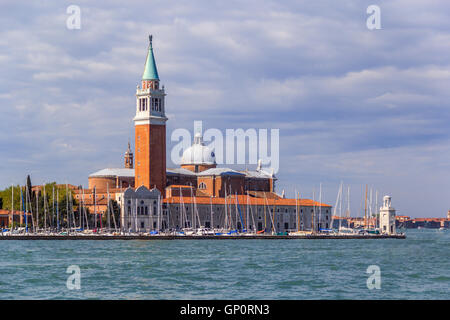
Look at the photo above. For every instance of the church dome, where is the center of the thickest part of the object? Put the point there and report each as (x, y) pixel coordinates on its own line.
(198, 153)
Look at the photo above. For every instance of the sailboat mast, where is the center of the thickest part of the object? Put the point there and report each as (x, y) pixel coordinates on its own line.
(246, 207)
(157, 216)
(212, 216)
(57, 211)
(253, 219)
(348, 202)
(265, 217)
(31, 209)
(236, 211)
(26, 210)
(340, 207)
(95, 208)
(226, 209)
(365, 210)
(45, 211)
(12, 208)
(53, 208)
(70, 213)
(114, 219)
(84, 210)
(313, 222)
(169, 207)
(135, 215)
(67, 209)
(296, 211)
(376, 209)
(320, 206)
(37, 210)
(109, 220)
(192, 209)
(196, 212)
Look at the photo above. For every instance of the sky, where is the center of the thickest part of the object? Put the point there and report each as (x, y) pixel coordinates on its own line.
(353, 105)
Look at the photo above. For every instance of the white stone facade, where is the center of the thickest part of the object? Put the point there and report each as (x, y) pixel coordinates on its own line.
(141, 210)
(387, 217)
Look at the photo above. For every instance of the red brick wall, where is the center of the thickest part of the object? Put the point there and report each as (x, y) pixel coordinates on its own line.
(181, 180)
(150, 164)
(236, 183)
(101, 183)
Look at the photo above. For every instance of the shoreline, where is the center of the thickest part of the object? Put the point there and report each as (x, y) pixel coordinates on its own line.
(206, 237)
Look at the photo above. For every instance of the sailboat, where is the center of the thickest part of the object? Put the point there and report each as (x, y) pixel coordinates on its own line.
(341, 229)
(250, 230)
(298, 232)
(261, 232)
(325, 230)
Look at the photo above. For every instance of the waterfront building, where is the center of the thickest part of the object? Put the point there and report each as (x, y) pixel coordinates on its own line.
(144, 210)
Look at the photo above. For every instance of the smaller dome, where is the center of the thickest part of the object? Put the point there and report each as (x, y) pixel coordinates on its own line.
(198, 153)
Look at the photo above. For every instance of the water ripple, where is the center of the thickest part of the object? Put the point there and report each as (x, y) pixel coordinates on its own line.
(415, 268)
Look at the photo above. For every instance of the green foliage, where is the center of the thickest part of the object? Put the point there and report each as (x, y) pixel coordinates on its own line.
(6, 196)
(47, 201)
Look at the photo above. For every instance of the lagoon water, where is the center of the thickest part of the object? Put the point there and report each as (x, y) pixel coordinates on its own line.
(415, 268)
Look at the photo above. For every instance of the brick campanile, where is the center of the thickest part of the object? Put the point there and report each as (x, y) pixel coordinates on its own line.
(150, 129)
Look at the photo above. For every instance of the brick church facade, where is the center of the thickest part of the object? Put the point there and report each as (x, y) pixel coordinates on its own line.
(198, 179)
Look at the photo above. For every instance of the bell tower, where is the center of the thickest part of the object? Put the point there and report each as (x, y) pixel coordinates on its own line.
(129, 158)
(150, 128)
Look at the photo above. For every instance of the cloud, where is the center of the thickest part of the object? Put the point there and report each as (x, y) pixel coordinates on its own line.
(364, 106)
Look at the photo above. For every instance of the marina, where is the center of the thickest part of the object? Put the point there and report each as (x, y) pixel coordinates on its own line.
(209, 237)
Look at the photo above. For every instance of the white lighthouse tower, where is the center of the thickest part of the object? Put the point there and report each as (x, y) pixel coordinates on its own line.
(387, 217)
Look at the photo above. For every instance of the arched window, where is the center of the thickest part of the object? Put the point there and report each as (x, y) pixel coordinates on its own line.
(202, 186)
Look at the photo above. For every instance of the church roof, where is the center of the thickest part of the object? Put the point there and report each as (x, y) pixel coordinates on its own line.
(113, 172)
(184, 171)
(220, 172)
(150, 71)
(257, 174)
(243, 200)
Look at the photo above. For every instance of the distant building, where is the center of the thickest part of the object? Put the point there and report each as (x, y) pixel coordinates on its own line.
(7, 217)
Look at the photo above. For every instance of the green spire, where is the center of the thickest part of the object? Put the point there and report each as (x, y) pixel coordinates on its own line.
(150, 72)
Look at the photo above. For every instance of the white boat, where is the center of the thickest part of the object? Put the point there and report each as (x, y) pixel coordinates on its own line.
(344, 230)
